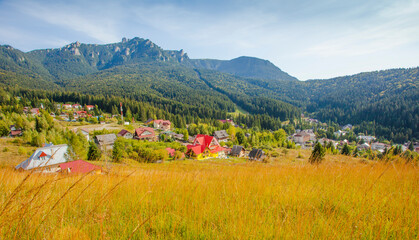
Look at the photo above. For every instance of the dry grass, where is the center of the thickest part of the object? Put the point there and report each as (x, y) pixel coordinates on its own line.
(219, 199)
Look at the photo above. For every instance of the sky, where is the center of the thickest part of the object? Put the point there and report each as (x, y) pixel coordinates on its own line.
(305, 38)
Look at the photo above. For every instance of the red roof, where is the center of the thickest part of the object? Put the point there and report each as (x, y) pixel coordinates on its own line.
(43, 154)
(90, 106)
(139, 132)
(123, 132)
(15, 132)
(79, 166)
(228, 120)
(203, 142)
(164, 122)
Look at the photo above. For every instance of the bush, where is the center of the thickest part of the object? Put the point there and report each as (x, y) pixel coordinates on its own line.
(22, 151)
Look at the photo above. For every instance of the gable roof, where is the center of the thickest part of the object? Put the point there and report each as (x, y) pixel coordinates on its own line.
(106, 139)
(164, 122)
(45, 156)
(236, 150)
(203, 142)
(123, 132)
(221, 134)
(79, 166)
(256, 153)
(142, 132)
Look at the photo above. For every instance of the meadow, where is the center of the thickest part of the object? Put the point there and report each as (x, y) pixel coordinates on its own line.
(342, 198)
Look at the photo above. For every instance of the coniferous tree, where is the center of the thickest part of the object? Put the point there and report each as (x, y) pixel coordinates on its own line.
(317, 155)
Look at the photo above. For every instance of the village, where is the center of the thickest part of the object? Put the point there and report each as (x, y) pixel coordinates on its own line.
(225, 141)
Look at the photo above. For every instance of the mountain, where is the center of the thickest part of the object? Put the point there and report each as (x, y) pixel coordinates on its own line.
(249, 67)
(384, 103)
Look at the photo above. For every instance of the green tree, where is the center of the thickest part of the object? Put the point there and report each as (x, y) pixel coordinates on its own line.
(240, 137)
(118, 150)
(317, 155)
(4, 129)
(94, 153)
(411, 146)
(345, 150)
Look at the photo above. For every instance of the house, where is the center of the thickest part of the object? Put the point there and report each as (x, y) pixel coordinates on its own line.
(379, 146)
(256, 154)
(34, 111)
(162, 124)
(46, 158)
(339, 133)
(67, 106)
(15, 132)
(205, 146)
(58, 106)
(125, 134)
(221, 136)
(227, 121)
(364, 146)
(85, 133)
(76, 106)
(301, 137)
(106, 141)
(52, 115)
(145, 133)
(347, 127)
(149, 121)
(80, 114)
(367, 139)
(311, 133)
(238, 151)
(79, 166)
(89, 107)
(172, 151)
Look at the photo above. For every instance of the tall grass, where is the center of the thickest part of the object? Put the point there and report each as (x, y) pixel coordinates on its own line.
(215, 200)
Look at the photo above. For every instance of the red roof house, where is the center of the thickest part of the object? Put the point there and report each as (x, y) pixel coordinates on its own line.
(79, 166)
(89, 107)
(205, 146)
(162, 124)
(145, 133)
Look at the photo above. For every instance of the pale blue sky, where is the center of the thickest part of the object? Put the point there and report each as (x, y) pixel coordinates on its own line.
(307, 39)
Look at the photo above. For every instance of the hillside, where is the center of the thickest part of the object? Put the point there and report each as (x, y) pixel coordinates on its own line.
(384, 103)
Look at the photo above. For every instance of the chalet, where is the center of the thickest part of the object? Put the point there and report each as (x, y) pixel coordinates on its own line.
(221, 136)
(145, 133)
(67, 106)
(238, 151)
(106, 141)
(89, 107)
(46, 158)
(76, 106)
(205, 146)
(79, 166)
(15, 132)
(125, 134)
(162, 124)
(256, 154)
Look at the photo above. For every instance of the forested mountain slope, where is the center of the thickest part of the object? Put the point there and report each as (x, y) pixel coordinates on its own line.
(384, 103)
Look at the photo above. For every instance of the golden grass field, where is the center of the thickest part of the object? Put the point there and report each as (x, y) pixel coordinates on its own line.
(342, 198)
